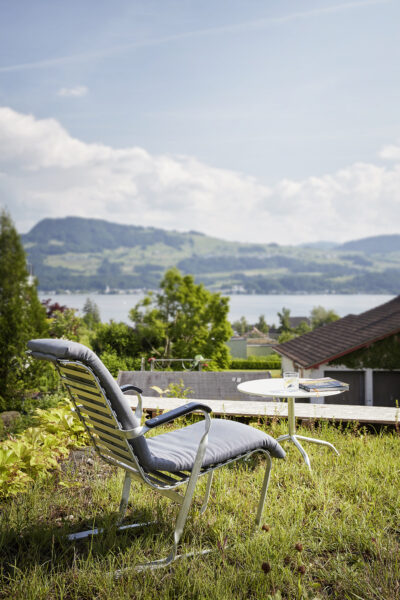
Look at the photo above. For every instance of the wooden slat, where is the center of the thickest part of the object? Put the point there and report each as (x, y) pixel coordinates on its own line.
(262, 408)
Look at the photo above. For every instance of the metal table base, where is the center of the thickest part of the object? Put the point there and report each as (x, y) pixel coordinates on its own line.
(292, 437)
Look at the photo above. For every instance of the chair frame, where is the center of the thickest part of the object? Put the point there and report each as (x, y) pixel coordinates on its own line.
(111, 443)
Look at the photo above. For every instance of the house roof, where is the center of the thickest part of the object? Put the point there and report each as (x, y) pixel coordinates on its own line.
(343, 336)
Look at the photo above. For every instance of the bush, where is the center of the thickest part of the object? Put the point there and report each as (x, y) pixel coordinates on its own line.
(36, 452)
(273, 361)
(115, 363)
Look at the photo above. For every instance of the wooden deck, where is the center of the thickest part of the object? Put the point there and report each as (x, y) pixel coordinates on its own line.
(261, 408)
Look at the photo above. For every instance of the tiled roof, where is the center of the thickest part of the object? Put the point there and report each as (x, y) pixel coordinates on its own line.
(343, 336)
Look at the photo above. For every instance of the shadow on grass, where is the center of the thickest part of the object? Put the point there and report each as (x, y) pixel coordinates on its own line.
(39, 543)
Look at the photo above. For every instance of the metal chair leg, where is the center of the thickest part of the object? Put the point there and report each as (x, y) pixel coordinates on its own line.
(207, 492)
(264, 489)
(124, 498)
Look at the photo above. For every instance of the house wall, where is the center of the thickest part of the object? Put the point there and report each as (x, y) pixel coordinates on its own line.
(378, 383)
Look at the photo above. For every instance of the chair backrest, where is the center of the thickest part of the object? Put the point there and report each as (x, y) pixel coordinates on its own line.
(99, 400)
(204, 385)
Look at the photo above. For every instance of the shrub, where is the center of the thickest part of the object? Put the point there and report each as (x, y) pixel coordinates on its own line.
(31, 455)
(273, 361)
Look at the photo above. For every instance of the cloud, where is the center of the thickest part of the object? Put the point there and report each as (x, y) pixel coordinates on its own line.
(75, 92)
(45, 172)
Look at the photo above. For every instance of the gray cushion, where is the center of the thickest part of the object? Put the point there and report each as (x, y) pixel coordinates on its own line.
(176, 450)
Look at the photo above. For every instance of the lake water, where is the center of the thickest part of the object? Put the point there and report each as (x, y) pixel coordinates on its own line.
(251, 306)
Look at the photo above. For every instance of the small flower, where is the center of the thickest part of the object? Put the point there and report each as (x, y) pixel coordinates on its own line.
(287, 560)
(265, 527)
(301, 569)
(299, 547)
(266, 567)
(151, 359)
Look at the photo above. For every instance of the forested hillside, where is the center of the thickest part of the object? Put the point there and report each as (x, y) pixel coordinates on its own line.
(90, 254)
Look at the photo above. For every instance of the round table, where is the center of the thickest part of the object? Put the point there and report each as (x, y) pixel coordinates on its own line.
(274, 388)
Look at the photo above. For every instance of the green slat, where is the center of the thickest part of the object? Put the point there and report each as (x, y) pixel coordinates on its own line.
(108, 432)
(75, 372)
(115, 454)
(94, 396)
(78, 385)
(95, 407)
(114, 447)
(107, 419)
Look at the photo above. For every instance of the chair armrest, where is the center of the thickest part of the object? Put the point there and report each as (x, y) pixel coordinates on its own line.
(128, 387)
(175, 413)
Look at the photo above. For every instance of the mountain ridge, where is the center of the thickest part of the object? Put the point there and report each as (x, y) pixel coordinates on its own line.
(78, 253)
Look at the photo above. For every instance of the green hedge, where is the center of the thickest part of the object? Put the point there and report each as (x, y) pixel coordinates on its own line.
(273, 361)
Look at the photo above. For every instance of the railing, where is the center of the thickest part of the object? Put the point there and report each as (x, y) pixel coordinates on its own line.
(188, 364)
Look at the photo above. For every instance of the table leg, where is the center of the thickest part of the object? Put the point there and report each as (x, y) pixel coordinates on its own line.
(292, 437)
(291, 416)
(321, 442)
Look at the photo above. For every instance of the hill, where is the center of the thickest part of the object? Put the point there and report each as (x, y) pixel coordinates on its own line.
(379, 244)
(91, 254)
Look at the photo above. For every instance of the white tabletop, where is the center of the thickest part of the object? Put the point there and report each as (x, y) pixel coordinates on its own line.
(274, 387)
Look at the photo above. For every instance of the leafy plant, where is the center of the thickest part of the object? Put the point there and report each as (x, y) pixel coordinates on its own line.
(174, 390)
(38, 450)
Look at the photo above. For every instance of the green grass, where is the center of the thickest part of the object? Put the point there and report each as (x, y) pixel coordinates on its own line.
(346, 516)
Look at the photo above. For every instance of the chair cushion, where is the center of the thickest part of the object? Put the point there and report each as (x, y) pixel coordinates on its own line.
(176, 450)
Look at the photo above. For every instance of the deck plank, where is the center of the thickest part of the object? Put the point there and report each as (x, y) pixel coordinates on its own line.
(260, 408)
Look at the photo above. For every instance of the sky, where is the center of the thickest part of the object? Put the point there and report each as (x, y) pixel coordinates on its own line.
(248, 120)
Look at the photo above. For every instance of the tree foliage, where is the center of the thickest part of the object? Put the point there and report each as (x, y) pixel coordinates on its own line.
(21, 316)
(91, 314)
(321, 316)
(182, 320)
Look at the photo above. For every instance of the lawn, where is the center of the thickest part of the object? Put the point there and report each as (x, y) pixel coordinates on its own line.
(332, 534)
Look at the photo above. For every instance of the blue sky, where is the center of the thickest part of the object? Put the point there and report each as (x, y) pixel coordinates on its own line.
(249, 120)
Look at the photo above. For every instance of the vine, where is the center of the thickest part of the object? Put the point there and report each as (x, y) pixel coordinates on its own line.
(384, 354)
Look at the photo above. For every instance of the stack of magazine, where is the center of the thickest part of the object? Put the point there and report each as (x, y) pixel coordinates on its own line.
(325, 384)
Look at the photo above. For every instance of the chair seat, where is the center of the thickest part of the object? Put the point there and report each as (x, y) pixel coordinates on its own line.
(176, 450)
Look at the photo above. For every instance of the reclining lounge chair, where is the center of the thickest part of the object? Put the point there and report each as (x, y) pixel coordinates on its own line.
(163, 462)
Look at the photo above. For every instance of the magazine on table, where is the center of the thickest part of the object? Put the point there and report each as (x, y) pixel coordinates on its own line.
(324, 384)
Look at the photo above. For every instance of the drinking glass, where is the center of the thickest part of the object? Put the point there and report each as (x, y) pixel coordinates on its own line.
(291, 381)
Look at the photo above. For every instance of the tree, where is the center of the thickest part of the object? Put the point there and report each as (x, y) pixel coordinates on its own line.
(241, 326)
(284, 320)
(21, 316)
(320, 316)
(262, 325)
(91, 314)
(182, 320)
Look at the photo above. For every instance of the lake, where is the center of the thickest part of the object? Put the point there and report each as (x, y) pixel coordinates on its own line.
(251, 306)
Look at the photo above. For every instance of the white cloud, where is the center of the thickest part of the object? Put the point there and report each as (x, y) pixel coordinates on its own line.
(45, 172)
(74, 92)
